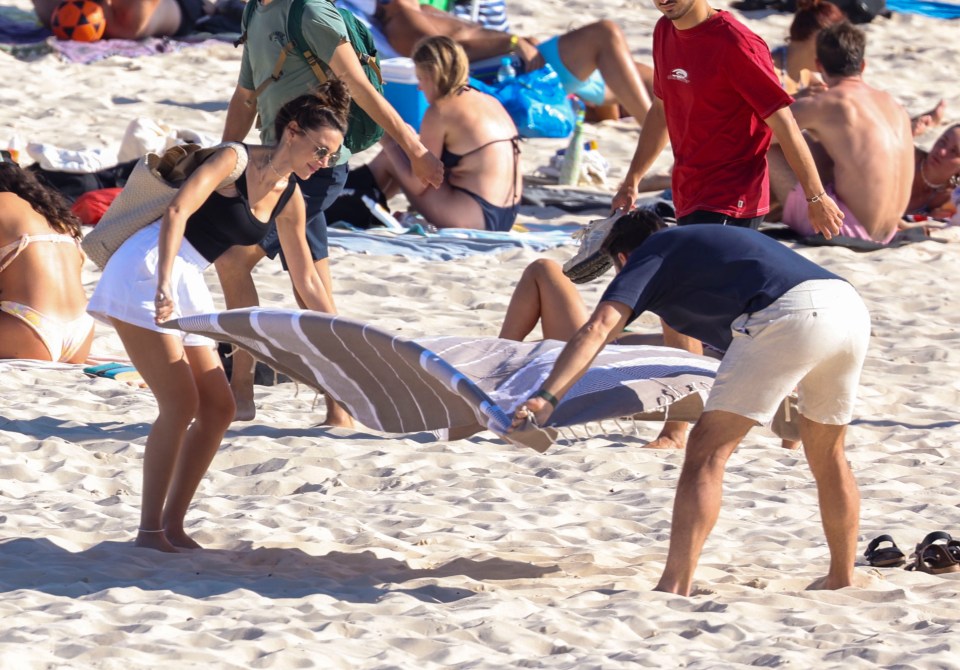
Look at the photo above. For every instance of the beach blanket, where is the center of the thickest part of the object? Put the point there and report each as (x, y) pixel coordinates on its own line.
(902, 238)
(940, 10)
(450, 243)
(572, 199)
(22, 36)
(399, 385)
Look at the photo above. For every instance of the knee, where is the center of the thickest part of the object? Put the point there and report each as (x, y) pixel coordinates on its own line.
(543, 269)
(180, 408)
(237, 262)
(704, 454)
(218, 408)
(609, 31)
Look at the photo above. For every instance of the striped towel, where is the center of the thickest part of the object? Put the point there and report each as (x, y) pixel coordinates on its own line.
(398, 385)
(492, 14)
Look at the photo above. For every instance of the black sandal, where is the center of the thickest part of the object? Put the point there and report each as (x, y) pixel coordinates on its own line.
(884, 557)
(934, 557)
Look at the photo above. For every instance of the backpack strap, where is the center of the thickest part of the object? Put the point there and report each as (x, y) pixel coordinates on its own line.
(297, 41)
(295, 34)
(248, 9)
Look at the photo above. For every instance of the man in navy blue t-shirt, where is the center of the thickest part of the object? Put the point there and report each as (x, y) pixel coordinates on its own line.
(782, 321)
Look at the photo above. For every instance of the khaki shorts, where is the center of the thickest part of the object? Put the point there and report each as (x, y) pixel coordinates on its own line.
(813, 338)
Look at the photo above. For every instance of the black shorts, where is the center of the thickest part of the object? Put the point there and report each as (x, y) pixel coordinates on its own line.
(191, 11)
(703, 216)
(319, 192)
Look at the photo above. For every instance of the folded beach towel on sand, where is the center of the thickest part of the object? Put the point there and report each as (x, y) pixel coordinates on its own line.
(459, 384)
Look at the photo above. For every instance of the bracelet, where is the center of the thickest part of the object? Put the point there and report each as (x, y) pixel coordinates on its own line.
(514, 41)
(817, 198)
(546, 395)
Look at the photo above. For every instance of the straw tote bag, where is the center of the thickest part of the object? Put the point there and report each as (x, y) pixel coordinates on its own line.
(152, 185)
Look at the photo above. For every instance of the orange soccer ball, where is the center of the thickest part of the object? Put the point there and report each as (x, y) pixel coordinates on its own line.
(80, 20)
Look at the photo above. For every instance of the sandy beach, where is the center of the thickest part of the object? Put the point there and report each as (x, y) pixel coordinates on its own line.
(333, 548)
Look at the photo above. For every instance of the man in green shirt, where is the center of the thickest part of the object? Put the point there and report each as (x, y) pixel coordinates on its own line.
(325, 33)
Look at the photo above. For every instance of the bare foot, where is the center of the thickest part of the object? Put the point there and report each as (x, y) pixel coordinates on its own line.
(924, 122)
(154, 540)
(179, 538)
(673, 436)
(829, 583)
(246, 409)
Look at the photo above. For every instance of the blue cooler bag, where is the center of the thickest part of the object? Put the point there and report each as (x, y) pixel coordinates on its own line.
(535, 101)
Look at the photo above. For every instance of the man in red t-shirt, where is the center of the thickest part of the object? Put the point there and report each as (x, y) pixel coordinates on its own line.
(717, 97)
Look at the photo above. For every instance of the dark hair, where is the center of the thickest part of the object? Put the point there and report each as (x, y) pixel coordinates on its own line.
(45, 201)
(631, 230)
(813, 16)
(840, 49)
(326, 107)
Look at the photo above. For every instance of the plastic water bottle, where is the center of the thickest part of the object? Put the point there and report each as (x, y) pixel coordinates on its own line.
(506, 71)
(570, 170)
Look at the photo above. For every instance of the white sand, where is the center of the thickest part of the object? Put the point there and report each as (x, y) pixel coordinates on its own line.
(339, 549)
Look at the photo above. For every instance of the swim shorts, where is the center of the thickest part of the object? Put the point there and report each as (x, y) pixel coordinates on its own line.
(813, 338)
(592, 89)
(795, 215)
(319, 192)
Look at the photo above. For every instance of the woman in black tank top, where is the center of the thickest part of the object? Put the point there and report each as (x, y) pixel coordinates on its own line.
(202, 222)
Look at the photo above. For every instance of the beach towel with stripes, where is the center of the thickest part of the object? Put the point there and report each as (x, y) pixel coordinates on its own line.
(399, 385)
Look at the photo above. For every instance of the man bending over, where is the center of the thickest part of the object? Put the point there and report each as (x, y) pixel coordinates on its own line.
(783, 322)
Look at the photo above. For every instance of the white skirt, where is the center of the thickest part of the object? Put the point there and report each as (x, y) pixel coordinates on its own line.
(128, 287)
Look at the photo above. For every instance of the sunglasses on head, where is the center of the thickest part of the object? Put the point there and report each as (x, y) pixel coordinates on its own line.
(7, 157)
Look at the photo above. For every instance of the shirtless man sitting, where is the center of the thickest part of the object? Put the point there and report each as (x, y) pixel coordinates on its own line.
(136, 19)
(861, 140)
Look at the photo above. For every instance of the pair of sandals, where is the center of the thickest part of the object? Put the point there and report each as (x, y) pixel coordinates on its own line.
(936, 554)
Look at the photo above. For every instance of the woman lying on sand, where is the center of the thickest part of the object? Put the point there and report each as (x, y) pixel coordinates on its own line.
(42, 300)
(937, 174)
(158, 274)
(473, 135)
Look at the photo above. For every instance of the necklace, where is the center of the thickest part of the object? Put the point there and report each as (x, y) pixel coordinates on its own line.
(930, 185)
(285, 177)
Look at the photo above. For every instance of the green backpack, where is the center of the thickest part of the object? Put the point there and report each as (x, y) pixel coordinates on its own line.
(362, 131)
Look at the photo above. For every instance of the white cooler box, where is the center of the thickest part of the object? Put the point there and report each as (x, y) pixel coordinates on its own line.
(400, 89)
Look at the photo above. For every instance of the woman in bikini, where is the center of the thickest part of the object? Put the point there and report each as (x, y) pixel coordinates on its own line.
(42, 300)
(473, 135)
(157, 275)
(936, 176)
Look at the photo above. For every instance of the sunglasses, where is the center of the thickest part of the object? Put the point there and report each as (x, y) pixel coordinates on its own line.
(322, 153)
(7, 157)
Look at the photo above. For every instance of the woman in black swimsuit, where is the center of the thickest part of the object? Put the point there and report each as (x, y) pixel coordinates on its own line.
(476, 139)
(157, 274)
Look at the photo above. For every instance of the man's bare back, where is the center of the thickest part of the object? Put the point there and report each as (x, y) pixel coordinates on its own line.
(867, 135)
(859, 136)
